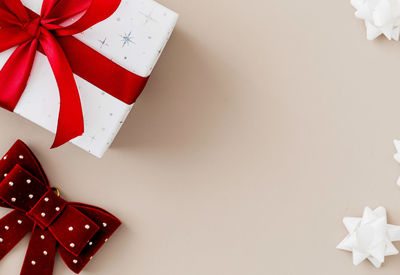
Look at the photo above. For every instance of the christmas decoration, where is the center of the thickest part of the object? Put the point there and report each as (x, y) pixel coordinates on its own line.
(380, 17)
(396, 156)
(370, 237)
(75, 230)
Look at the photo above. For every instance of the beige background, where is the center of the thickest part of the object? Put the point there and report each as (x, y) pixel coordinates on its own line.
(264, 124)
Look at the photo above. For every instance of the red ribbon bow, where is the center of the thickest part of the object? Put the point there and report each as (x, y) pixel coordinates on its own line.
(76, 230)
(47, 33)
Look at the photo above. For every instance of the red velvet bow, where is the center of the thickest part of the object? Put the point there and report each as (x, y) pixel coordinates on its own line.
(47, 33)
(76, 230)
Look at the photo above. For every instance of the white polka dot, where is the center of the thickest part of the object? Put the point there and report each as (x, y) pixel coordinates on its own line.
(5, 174)
(104, 224)
(1, 240)
(42, 237)
(70, 228)
(30, 196)
(45, 252)
(72, 245)
(46, 199)
(6, 227)
(75, 261)
(13, 199)
(43, 214)
(19, 222)
(91, 257)
(33, 262)
(28, 181)
(11, 183)
(21, 156)
(5, 157)
(90, 243)
(57, 208)
(87, 226)
(105, 240)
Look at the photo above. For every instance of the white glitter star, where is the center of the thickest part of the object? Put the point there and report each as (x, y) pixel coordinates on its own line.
(370, 237)
(127, 38)
(380, 16)
(397, 155)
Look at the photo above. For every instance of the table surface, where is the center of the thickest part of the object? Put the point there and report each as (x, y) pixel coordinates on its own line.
(264, 124)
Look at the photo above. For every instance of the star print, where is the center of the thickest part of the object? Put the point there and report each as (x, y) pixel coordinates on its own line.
(370, 237)
(148, 17)
(127, 38)
(103, 42)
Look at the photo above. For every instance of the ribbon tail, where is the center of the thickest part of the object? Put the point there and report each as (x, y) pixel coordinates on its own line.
(13, 227)
(39, 258)
(15, 74)
(70, 119)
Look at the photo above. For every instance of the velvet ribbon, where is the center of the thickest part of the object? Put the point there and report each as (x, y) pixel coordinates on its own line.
(75, 230)
(49, 34)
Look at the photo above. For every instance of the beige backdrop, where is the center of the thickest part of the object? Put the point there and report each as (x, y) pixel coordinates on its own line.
(264, 124)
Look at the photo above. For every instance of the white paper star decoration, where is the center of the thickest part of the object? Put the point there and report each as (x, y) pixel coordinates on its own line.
(397, 155)
(370, 237)
(380, 16)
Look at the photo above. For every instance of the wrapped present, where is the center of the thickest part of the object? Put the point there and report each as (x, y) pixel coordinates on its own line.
(110, 46)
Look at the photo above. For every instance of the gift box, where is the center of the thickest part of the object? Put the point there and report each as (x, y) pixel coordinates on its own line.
(133, 37)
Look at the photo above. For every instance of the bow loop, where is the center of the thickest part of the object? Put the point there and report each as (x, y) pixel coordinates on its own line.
(64, 13)
(7, 19)
(107, 223)
(79, 229)
(97, 11)
(74, 230)
(15, 7)
(20, 154)
(21, 190)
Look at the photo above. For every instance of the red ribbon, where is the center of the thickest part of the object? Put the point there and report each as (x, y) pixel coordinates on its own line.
(30, 32)
(76, 230)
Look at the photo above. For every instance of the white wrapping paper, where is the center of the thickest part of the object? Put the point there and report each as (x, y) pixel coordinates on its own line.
(133, 37)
